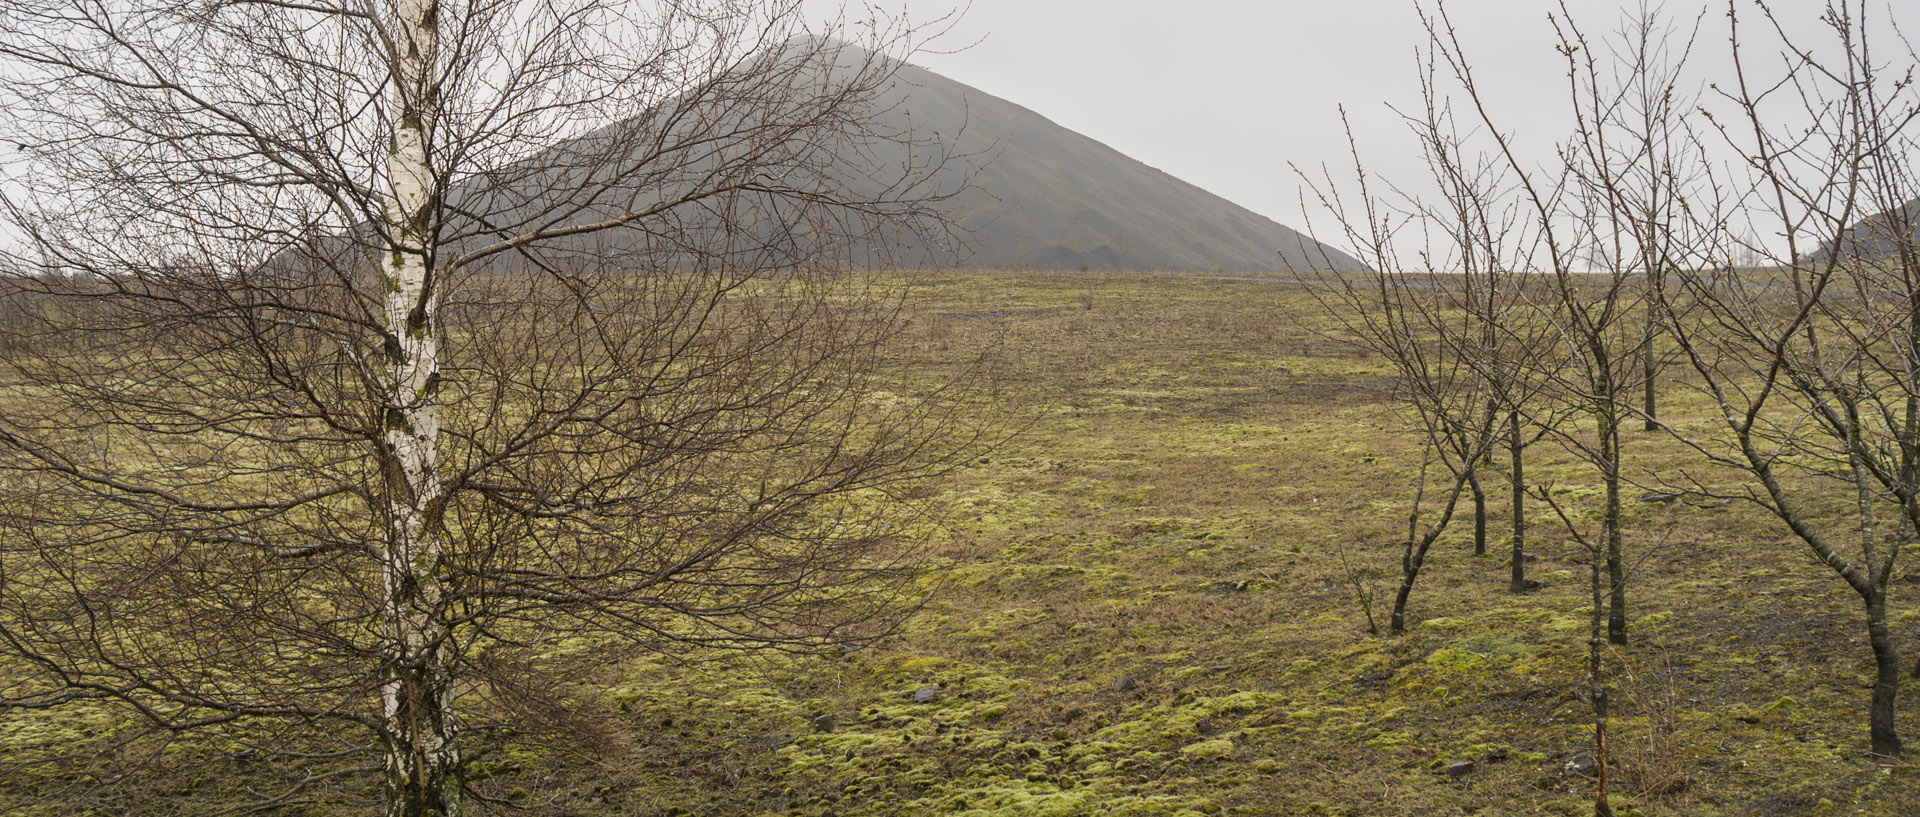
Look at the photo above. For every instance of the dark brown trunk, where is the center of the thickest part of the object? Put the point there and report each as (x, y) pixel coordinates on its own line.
(1616, 561)
(1651, 368)
(1411, 561)
(1479, 513)
(1884, 736)
(1597, 691)
(1514, 447)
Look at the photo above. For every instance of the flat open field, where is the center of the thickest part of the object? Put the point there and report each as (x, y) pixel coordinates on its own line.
(1145, 603)
(1142, 609)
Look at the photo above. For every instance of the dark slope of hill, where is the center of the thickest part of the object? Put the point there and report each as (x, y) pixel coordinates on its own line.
(1031, 194)
(1051, 198)
(1881, 234)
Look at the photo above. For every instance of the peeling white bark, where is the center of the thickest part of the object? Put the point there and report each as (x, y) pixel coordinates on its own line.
(418, 693)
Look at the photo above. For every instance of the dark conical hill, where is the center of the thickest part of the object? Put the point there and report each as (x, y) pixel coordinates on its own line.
(1053, 199)
(1031, 194)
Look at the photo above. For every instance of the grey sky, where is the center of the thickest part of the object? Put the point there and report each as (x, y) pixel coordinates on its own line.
(1225, 93)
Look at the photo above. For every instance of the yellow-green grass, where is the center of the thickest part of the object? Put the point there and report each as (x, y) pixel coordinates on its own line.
(1138, 607)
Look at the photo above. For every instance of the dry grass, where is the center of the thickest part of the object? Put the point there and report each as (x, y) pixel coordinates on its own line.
(1141, 610)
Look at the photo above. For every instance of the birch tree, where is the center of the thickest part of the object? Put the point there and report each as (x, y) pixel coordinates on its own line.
(368, 354)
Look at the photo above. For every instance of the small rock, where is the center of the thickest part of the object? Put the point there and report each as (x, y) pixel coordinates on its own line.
(1125, 683)
(1254, 548)
(1528, 556)
(824, 723)
(1204, 726)
(926, 695)
(1582, 765)
(1530, 585)
(1661, 497)
(1455, 771)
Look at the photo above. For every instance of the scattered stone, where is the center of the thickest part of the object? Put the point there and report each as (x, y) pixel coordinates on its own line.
(1530, 585)
(824, 723)
(1125, 683)
(1218, 668)
(1528, 556)
(1661, 497)
(926, 695)
(1254, 548)
(1581, 765)
(1455, 771)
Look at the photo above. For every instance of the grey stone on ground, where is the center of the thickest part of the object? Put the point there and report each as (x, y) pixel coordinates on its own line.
(1125, 683)
(1581, 765)
(926, 695)
(1458, 770)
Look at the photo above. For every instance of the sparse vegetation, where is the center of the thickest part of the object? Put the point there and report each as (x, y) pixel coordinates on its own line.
(712, 525)
(1138, 610)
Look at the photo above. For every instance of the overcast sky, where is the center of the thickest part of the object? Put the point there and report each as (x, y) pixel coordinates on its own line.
(1225, 93)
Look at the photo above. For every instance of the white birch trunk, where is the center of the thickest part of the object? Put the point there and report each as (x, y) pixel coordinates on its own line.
(417, 695)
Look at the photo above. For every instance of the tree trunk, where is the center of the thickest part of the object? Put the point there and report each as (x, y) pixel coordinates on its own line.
(1479, 513)
(1597, 692)
(1410, 563)
(418, 692)
(1650, 367)
(1518, 583)
(1886, 683)
(1616, 561)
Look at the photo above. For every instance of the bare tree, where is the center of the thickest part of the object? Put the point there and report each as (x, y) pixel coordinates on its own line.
(1638, 156)
(1484, 240)
(369, 357)
(1435, 322)
(1814, 364)
(1595, 272)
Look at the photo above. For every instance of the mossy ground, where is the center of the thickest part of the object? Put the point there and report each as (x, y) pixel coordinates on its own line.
(1139, 607)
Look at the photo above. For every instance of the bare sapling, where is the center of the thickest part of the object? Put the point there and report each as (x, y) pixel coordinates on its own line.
(1811, 360)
